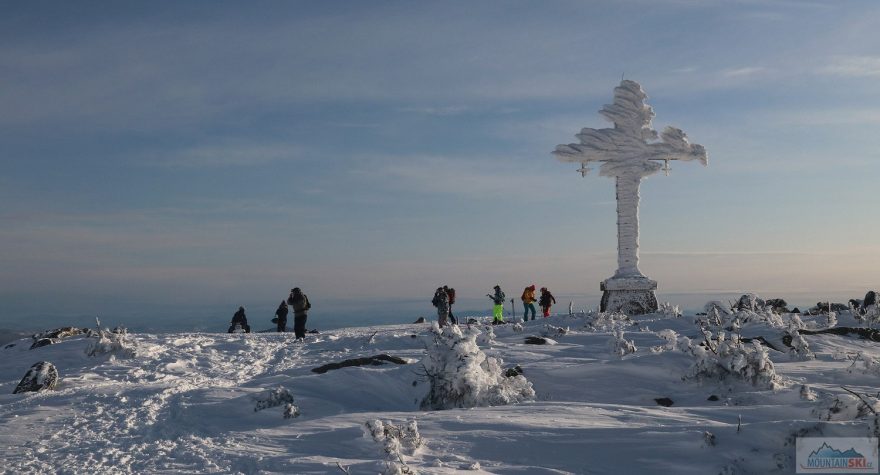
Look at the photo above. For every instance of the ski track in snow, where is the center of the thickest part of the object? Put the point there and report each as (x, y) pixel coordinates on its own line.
(185, 404)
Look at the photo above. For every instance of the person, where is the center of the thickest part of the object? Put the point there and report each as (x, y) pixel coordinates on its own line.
(498, 309)
(441, 301)
(301, 306)
(281, 317)
(546, 301)
(450, 292)
(528, 299)
(240, 320)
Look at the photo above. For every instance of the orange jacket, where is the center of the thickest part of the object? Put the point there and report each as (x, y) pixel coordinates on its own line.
(528, 295)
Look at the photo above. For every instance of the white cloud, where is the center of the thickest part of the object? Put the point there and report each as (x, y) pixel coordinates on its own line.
(744, 72)
(853, 66)
(225, 155)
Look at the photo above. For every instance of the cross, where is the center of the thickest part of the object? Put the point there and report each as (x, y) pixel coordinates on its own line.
(629, 152)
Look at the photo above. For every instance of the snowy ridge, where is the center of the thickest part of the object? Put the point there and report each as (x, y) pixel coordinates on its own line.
(186, 403)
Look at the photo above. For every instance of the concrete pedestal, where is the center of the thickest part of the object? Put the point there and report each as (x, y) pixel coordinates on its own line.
(629, 295)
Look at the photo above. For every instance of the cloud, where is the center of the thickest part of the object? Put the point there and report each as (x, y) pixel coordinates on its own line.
(228, 155)
(438, 110)
(745, 72)
(853, 66)
(467, 176)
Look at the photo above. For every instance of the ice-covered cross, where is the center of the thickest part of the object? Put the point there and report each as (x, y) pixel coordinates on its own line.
(629, 152)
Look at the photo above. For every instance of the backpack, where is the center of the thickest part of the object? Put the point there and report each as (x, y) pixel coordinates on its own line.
(451, 294)
(526, 291)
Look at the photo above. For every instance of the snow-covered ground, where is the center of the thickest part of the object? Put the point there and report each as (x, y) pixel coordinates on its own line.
(185, 403)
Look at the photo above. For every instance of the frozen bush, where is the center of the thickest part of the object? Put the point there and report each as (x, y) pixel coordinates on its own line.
(800, 349)
(277, 397)
(807, 393)
(552, 331)
(620, 346)
(864, 364)
(670, 341)
(396, 441)
(722, 359)
(607, 321)
(669, 310)
(461, 375)
(831, 319)
(486, 338)
(114, 343)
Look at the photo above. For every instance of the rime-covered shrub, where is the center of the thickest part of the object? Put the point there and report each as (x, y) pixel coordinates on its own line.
(486, 338)
(670, 341)
(607, 321)
(114, 343)
(864, 364)
(279, 396)
(807, 393)
(800, 349)
(552, 331)
(396, 441)
(830, 319)
(668, 310)
(461, 375)
(619, 345)
(725, 359)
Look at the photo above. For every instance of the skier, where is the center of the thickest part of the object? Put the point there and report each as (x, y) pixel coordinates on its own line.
(545, 301)
(528, 299)
(301, 305)
(281, 316)
(450, 292)
(498, 309)
(441, 301)
(239, 320)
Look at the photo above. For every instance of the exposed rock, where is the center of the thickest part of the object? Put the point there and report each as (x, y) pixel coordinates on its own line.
(59, 333)
(44, 342)
(421, 320)
(750, 302)
(863, 333)
(766, 343)
(40, 377)
(870, 299)
(370, 361)
(513, 372)
(777, 305)
(712, 398)
(796, 310)
(537, 340)
(664, 401)
(9, 346)
(472, 321)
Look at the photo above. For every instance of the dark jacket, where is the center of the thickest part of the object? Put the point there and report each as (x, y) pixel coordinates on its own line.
(441, 301)
(299, 302)
(498, 298)
(281, 313)
(546, 299)
(239, 317)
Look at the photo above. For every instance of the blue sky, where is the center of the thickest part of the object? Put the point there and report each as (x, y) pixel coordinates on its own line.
(223, 152)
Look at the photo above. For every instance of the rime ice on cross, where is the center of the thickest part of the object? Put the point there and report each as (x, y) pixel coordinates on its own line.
(629, 152)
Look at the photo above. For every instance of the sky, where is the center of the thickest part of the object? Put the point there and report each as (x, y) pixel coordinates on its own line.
(185, 154)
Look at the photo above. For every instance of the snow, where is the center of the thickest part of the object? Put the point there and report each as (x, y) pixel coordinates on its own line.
(185, 402)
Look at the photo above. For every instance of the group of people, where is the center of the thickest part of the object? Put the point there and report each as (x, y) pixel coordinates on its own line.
(444, 297)
(297, 300)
